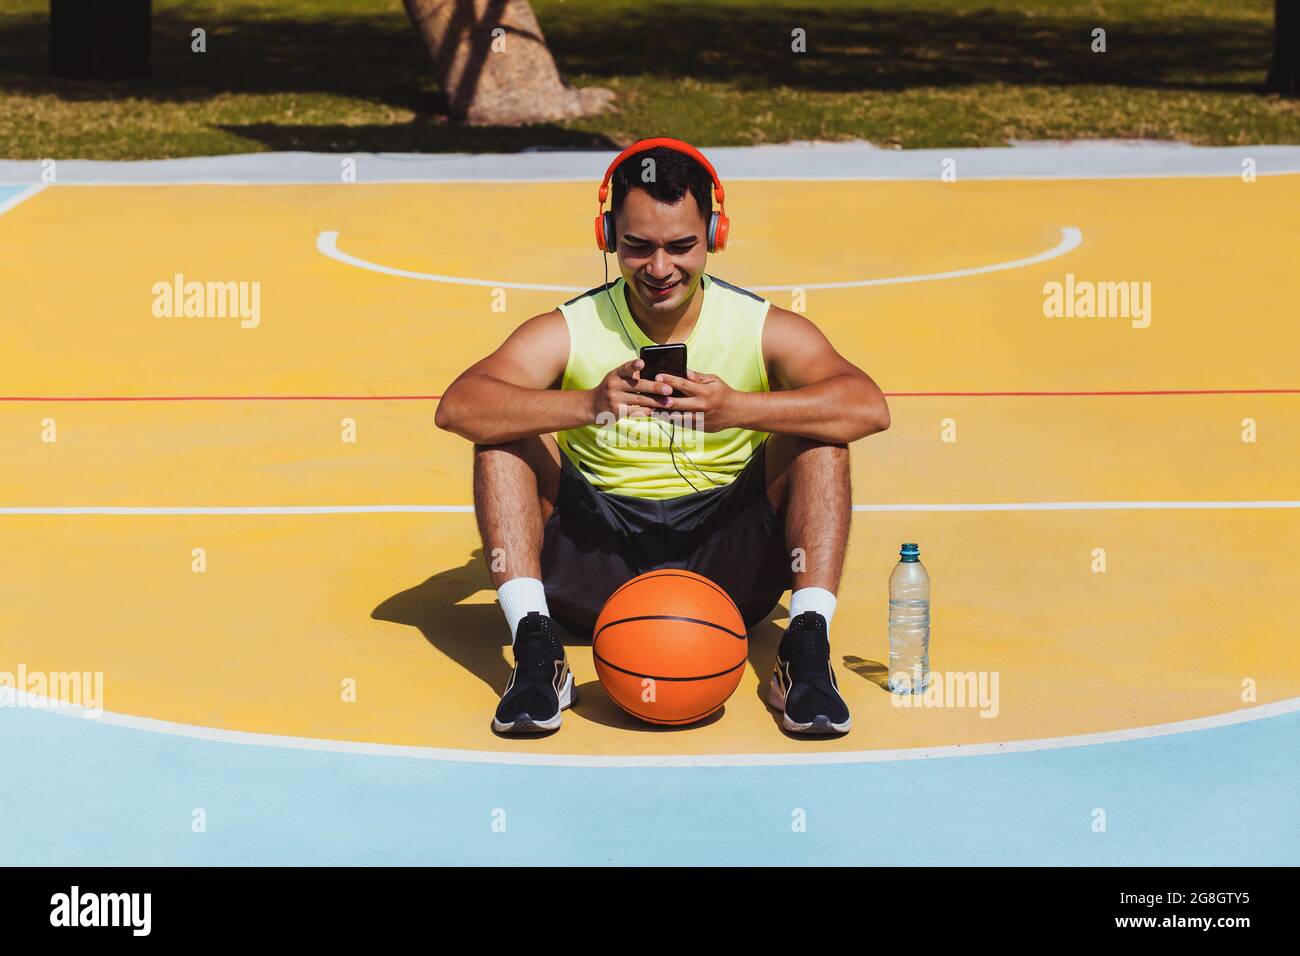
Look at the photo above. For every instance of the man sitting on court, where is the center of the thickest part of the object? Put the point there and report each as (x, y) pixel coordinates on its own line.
(587, 474)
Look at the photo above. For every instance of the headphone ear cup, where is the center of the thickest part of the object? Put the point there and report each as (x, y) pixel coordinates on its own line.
(719, 226)
(607, 233)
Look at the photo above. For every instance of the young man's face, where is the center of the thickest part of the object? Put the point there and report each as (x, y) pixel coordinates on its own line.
(661, 249)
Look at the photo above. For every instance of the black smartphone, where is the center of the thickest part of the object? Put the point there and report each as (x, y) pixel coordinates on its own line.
(664, 358)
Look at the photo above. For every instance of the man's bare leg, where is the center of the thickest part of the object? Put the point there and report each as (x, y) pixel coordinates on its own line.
(808, 485)
(515, 486)
(515, 489)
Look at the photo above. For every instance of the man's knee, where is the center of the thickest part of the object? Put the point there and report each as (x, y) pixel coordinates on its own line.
(786, 452)
(792, 458)
(539, 454)
(825, 449)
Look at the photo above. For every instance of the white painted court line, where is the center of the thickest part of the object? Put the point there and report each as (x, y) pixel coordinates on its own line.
(218, 735)
(21, 197)
(326, 243)
(468, 509)
(1071, 239)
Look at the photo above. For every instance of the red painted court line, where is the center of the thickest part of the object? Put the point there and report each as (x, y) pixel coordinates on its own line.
(218, 398)
(427, 398)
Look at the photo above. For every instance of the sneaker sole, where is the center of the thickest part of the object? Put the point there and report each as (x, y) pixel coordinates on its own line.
(526, 725)
(821, 724)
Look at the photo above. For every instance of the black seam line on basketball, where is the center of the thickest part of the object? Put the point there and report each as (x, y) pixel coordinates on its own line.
(667, 617)
(623, 670)
(679, 720)
(665, 573)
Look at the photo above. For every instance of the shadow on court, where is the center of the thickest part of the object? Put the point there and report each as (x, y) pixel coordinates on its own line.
(472, 635)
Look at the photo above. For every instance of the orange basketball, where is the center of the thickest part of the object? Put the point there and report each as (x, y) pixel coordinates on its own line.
(670, 646)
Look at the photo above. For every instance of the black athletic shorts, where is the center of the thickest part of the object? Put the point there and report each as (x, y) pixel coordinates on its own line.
(594, 542)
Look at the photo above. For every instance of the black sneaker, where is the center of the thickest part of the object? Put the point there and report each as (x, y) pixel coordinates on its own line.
(541, 685)
(803, 687)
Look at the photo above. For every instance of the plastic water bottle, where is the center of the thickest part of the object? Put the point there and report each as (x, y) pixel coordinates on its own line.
(909, 623)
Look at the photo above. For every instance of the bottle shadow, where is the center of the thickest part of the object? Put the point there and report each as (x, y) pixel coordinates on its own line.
(873, 671)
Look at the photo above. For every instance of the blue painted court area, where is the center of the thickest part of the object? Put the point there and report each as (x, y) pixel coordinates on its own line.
(78, 792)
(9, 192)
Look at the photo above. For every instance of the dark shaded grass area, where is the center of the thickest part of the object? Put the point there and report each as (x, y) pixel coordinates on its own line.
(338, 77)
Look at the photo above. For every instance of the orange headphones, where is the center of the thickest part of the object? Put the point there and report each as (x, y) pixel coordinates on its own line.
(719, 224)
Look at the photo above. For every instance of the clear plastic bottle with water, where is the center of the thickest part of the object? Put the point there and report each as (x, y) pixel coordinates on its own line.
(909, 623)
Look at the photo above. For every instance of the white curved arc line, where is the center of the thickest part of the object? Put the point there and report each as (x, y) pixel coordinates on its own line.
(327, 243)
(21, 197)
(1071, 238)
(219, 735)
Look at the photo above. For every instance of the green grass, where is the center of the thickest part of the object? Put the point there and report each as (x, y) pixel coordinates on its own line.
(349, 75)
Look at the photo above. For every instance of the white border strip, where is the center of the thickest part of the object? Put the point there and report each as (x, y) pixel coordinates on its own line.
(1028, 176)
(851, 161)
(218, 735)
(1071, 239)
(21, 197)
(468, 509)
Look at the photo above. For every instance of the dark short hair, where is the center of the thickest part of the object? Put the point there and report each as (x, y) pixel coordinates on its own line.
(676, 174)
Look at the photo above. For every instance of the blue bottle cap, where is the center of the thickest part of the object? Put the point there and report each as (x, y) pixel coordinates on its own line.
(910, 552)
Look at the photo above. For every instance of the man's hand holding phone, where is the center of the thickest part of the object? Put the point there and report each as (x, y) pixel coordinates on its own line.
(623, 393)
(713, 403)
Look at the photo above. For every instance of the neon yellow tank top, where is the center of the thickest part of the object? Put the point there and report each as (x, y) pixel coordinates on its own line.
(632, 456)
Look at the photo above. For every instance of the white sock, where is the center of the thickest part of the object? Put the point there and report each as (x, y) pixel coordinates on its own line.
(518, 596)
(813, 599)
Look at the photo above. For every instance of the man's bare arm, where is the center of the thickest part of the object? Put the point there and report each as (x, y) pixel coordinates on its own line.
(817, 393)
(515, 392)
(512, 393)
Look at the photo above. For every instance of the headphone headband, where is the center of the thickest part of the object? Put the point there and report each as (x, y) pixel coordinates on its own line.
(641, 146)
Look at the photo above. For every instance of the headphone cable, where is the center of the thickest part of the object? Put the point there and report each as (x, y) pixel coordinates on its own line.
(672, 453)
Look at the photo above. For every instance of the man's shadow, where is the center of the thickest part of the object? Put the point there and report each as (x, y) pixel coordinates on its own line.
(472, 635)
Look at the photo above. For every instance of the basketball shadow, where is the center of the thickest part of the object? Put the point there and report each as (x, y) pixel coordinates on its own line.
(595, 705)
(472, 635)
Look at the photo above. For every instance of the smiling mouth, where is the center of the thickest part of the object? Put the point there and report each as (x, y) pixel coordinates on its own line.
(659, 288)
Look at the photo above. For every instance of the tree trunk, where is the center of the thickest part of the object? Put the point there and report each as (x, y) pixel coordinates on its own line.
(493, 63)
(1284, 77)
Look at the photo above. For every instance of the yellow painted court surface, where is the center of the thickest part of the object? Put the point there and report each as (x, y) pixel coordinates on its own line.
(1192, 603)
